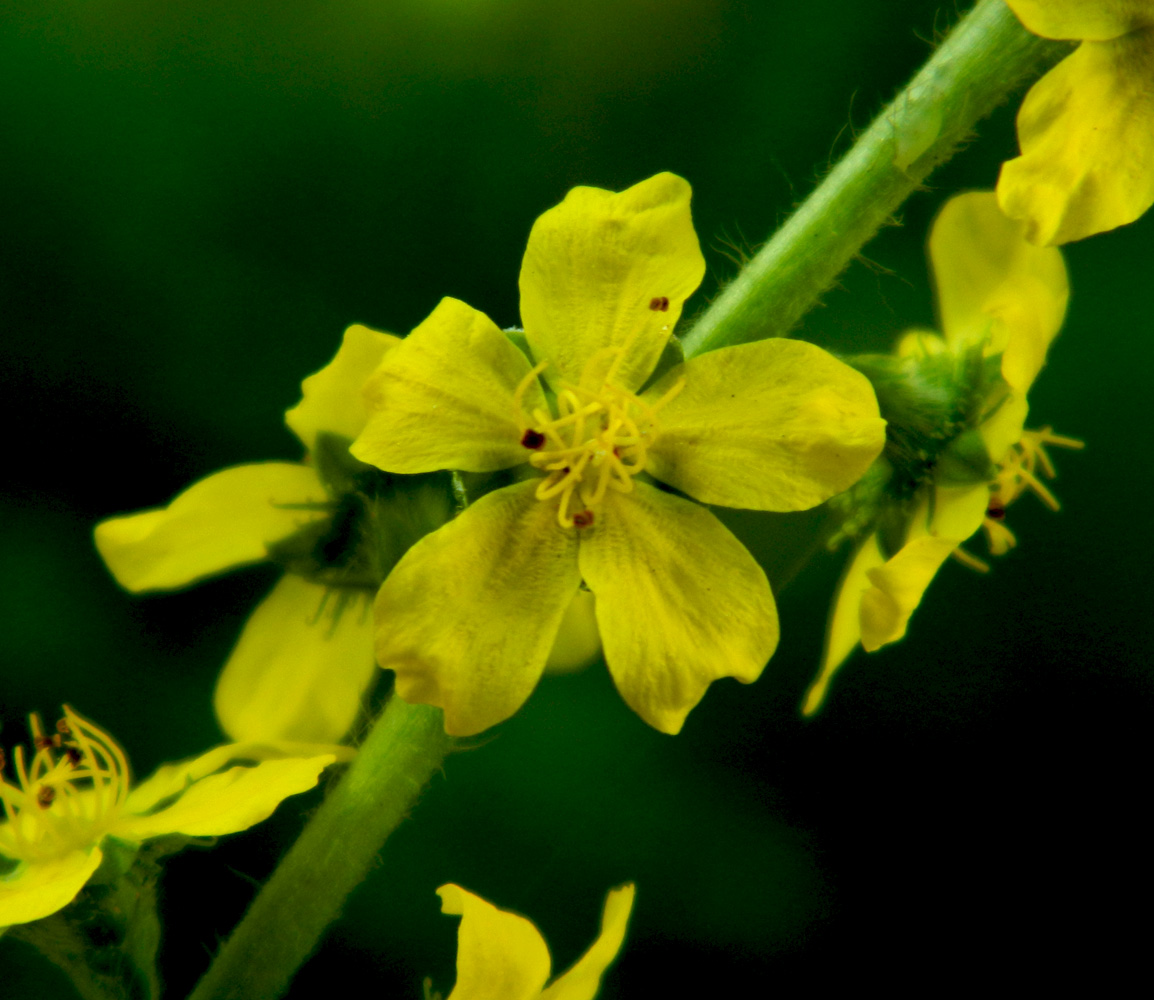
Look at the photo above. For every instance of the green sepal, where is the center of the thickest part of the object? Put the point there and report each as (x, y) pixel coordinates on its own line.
(965, 462)
(375, 517)
(106, 940)
(517, 336)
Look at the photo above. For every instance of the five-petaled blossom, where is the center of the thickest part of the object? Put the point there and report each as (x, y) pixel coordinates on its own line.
(75, 791)
(1086, 129)
(502, 956)
(467, 617)
(1002, 299)
(304, 659)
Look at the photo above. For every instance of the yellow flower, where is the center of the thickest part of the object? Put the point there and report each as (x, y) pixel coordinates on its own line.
(501, 956)
(75, 791)
(1086, 129)
(1001, 299)
(467, 617)
(304, 659)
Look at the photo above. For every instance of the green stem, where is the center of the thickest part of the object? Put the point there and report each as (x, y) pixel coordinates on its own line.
(986, 57)
(332, 856)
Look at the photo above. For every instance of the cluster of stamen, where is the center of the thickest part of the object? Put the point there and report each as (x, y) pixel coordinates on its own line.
(598, 441)
(1019, 472)
(66, 795)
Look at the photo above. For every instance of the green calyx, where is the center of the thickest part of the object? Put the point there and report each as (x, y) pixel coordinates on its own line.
(934, 405)
(375, 517)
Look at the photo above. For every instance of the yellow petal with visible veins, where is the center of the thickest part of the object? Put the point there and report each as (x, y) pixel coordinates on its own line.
(583, 980)
(36, 889)
(773, 425)
(301, 667)
(680, 602)
(505, 571)
(994, 287)
(604, 271)
(228, 802)
(444, 398)
(844, 631)
(1086, 131)
(897, 589)
(500, 955)
(224, 520)
(333, 400)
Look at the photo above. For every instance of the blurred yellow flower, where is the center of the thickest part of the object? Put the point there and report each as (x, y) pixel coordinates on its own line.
(1000, 298)
(1086, 129)
(467, 618)
(304, 659)
(502, 956)
(75, 791)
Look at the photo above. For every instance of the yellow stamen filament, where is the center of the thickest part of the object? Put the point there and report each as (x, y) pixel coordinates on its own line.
(970, 561)
(67, 795)
(598, 441)
(1018, 473)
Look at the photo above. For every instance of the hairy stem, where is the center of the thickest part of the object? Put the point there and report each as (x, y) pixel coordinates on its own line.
(986, 57)
(331, 857)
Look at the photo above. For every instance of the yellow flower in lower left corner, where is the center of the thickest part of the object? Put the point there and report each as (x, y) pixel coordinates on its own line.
(75, 791)
(502, 956)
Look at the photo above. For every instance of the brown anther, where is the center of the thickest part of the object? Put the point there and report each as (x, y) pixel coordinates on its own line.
(660, 304)
(996, 512)
(46, 796)
(74, 756)
(3, 760)
(44, 742)
(532, 439)
(583, 519)
(63, 728)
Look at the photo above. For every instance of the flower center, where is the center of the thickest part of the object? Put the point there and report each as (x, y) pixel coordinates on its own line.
(598, 440)
(67, 795)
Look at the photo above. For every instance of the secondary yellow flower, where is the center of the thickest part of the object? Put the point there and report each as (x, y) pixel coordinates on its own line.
(75, 791)
(502, 956)
(304, 659)
(1086, 129)
(1000, 299)
(468, 615)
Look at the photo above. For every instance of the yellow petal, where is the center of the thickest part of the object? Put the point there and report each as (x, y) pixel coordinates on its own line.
(171, 779)
(919, 343)
(1004, 429)
(500, 955)
(605, 270)
(578, 641)
(584, 980)
(35, 889)
(1086, 131)
(301, 667)
(444, 398)
(844, 631)
(333, 400)
(958, 512)
(996, 288)
(1096, 19)
(897, 589)
(468, 616)
(772, 425)
(680, 602)
(228, 802)
(225, 520)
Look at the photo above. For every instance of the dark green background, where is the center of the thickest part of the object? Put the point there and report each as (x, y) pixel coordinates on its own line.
(196, 198)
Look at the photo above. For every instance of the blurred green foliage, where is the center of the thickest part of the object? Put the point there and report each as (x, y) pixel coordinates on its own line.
(197, 197)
